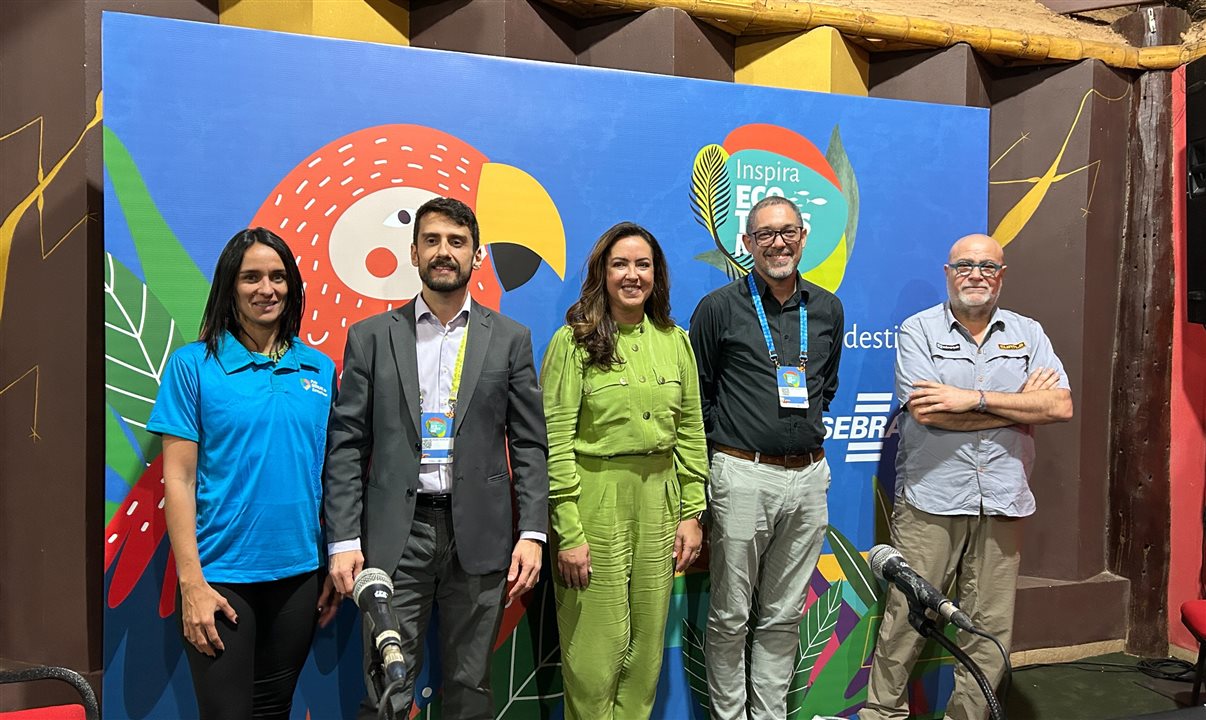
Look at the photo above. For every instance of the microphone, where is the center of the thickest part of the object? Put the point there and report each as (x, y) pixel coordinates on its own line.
(888, 564)
(372, 592)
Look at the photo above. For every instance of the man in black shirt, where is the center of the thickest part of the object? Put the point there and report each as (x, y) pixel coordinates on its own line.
(768, 347)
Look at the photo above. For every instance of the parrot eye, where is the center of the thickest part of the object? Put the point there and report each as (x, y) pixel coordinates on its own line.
(398, 219)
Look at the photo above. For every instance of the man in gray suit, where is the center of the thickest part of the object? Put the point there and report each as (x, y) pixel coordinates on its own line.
(436, 397)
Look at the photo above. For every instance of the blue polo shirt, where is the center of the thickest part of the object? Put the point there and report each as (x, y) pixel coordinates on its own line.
(260, 428)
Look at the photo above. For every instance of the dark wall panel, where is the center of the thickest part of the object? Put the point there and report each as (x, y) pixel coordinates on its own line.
(506, 28)
(665, 40)
(951, 76)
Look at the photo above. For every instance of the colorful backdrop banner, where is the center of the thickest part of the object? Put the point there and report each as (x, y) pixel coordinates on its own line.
(333, 144)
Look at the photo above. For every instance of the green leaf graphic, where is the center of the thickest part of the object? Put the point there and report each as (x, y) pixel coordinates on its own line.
(854, 567)
(710, 189)
(716, 259)
(526, 671)
(827, 696)
(883, 511)
(815, 631)
(171, 273)
(694, 665)
(835, 154)
(139, 337)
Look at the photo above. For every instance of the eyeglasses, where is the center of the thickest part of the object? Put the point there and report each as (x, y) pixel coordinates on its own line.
(988, 268)
(791, 236)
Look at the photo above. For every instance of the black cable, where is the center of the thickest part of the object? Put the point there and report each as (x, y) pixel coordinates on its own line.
(1172, 669)
(385, 705)
(1007, 675)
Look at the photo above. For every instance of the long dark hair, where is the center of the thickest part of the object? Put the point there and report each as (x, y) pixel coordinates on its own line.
(590, 316)
(220, 309)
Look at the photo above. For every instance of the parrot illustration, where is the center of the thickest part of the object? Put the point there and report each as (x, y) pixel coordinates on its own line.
(347, 212)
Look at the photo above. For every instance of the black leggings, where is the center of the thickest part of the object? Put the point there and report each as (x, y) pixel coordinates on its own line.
(255, 675)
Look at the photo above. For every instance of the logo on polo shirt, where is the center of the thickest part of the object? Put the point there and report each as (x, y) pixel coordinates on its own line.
(944, 346)
(313, 386)
(1011, 346)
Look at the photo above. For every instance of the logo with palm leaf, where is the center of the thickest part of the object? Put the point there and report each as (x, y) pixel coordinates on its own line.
(760, 160)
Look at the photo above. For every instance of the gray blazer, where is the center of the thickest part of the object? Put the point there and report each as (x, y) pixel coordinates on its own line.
(371, 475)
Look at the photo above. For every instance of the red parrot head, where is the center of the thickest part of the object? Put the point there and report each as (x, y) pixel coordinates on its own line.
(347, 211)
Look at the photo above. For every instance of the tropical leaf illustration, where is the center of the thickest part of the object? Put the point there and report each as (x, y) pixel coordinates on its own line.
(139, 337)
(710, 189)
(693, 663)
(883, 510)
(854, 567)
(133, 535)
(836, 156)
(819, 622)
(526, 672)
(828, 694)
(170, 272)
(710, 195)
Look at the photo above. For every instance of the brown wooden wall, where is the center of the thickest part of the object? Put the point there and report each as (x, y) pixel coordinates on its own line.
(1064, 270)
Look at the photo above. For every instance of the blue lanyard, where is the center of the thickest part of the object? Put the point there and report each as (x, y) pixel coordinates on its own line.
(766, 334)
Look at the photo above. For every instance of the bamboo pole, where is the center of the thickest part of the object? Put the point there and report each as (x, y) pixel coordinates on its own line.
(742, 16)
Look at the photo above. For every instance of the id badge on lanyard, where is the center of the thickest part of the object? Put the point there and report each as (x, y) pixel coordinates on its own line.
(792, 382)
(437, 430)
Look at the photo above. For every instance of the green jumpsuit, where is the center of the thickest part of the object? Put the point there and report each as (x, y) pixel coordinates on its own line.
(627, 461)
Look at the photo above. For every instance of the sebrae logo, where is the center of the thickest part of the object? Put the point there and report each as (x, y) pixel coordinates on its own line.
(758, 160)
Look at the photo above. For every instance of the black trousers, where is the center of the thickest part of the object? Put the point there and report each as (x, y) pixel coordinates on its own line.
(254, 677)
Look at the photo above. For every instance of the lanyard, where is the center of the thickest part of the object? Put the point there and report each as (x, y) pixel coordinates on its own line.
(766, 333)
(456, 374)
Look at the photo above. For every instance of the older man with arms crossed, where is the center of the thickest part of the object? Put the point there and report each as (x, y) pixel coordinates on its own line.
(973, 379)
(767, 347)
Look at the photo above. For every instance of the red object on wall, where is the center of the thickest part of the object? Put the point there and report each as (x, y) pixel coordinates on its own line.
(1187, 456)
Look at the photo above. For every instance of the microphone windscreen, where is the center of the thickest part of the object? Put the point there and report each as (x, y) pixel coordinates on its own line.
(372, 577)
(879, 556)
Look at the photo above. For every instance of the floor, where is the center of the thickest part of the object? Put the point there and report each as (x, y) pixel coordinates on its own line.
(1106, 687)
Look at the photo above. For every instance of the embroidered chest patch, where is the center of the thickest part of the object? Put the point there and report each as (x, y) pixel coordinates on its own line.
(1011, 346)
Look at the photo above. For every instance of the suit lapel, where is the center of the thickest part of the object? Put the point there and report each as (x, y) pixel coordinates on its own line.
(480, 322)
(402, 337)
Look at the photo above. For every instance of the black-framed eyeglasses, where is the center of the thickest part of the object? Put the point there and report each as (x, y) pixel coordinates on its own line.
(988, 268)
(791, 235)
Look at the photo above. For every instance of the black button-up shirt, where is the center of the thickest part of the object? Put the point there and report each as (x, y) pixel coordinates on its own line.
(737, 381)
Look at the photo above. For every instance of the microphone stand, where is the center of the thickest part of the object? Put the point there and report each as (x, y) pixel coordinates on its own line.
(922, 624)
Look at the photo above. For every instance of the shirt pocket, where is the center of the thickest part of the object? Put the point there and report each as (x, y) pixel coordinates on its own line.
(668, 391)
(1007, 371)
(954, 368)
(605, 400)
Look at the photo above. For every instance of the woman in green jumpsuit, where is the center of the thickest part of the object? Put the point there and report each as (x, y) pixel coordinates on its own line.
(627, 466)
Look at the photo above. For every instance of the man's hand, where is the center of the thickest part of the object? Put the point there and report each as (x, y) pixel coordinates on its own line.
(525, 567)
(1041, 379)
(344, 567)
(198, 604)
(574, 567)
(933, 397)
(328, 602)
(688, 540)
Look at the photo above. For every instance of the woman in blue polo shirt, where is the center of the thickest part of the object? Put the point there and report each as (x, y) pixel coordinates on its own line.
(243, 415)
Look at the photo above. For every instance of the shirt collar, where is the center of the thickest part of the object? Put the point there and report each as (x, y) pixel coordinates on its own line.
(233, 356)
(764, 289)
(422, 310)
(996, 321)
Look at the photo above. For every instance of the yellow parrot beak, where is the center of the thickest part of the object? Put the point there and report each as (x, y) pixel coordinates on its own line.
(518, 218)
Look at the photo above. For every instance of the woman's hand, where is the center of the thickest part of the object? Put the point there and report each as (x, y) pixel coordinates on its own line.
(328, 602)
(574, 566)
(688, 540)
(199, 603)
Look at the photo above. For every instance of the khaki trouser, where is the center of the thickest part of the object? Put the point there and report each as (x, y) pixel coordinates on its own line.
(977, 555)
(766, 528)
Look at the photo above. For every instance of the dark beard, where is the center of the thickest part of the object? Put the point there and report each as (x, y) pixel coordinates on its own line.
(444, 284)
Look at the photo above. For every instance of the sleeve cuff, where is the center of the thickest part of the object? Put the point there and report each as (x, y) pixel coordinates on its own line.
(539, 537)
(343, 546)
(568, 525)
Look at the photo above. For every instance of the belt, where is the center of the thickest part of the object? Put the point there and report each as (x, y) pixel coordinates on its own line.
(434, 500)
(791, 462)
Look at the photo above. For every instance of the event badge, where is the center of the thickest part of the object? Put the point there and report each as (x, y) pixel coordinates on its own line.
(793, 388)
(437, 438)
